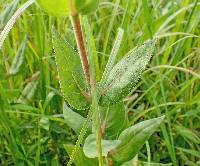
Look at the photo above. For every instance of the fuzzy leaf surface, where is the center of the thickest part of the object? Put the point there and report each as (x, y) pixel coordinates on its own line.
(133, 138)
(80, 158)
(71, 75)
(126, 73)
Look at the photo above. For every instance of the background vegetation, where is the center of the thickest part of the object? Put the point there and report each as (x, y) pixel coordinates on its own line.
(32, 128)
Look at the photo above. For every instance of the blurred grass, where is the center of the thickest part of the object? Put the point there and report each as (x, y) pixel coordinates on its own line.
(32, 130)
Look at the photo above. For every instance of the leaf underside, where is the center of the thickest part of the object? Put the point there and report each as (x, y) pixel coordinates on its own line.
(126, 73)
(71, 74)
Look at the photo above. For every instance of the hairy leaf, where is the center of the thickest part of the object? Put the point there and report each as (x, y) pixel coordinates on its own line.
(90, 146)
(126, 73)
(80, 158)
(71, 75)
(133, 138)
(112, 57)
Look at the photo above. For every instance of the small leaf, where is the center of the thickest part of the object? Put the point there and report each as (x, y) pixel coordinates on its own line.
(80, 158)
(126, 73)
(18, 60)
(44, 123)
(114, 120)
(133, 138)
(71, 75)
(112, 57)
(73, 119)
(90, 146)
(29, 90)
(8, 12)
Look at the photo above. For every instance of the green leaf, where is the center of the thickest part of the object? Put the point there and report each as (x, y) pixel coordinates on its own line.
(86, 6)
(114, 120)
(73, 119)
(18, 60)
(80, 158)
(190, 151)
(71, 75)
(8, 12)
(56, 8)
(188, 134)
(90, 146)
(133, 138)
(112, 57)
(126, 73)
(142, 163)
(29, 90)
(44, 123)
(55, 161)
(62, 8)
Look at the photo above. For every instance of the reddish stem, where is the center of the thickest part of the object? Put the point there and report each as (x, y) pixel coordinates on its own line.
(81, 46)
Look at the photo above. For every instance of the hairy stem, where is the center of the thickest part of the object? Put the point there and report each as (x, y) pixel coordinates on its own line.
(88, 67)
(81, 46)
(97, 124)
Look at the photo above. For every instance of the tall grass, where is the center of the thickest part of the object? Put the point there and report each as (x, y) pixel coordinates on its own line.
(32, 128)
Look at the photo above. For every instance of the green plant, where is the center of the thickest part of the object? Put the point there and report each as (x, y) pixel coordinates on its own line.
(108, 140)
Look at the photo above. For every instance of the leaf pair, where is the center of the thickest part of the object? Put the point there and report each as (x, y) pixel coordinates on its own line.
(119, 81)
(110, 117)
(127, 145)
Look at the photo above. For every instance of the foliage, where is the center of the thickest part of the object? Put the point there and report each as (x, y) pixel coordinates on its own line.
(34, 128)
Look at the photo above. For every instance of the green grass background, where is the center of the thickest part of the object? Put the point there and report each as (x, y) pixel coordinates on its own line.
(32, 129)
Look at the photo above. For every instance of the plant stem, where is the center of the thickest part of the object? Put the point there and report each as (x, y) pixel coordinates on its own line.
(90, 78)
(96, 122)
(81, 46)
(98, 135)
(94, 93)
